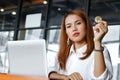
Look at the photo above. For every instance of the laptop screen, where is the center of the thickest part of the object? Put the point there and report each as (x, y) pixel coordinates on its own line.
(27, 57)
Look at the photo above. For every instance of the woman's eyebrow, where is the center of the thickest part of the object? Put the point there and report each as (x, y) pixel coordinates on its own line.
(68, 24)
(75, 22)
(78, 21)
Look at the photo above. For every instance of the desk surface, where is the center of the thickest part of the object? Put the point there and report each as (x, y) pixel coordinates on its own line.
(15, 77)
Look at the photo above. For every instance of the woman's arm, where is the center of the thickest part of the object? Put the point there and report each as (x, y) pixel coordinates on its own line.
(73, 76)
(57, 76)
(99, 64)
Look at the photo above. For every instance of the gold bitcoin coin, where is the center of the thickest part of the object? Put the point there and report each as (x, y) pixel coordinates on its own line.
(98, 18)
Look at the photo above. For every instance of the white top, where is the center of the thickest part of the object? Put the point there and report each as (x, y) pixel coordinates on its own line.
(84, 67)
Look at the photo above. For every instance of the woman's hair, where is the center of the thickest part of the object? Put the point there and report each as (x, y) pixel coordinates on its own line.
(65, 49)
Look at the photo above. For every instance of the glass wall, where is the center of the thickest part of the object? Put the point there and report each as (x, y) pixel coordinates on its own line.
(8, 17)
(112, 42)
(7, 26)
(32, 20)
(20, 20)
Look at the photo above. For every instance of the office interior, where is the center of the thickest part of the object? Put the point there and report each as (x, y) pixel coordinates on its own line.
(41, 19)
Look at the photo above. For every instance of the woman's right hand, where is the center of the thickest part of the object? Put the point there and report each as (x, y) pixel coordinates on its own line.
(75, 76)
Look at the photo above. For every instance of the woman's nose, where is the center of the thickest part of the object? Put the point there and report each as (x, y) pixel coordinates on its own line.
(74, 27)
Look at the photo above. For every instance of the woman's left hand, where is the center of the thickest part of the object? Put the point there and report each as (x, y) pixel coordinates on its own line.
(101, 28)
(75, 76)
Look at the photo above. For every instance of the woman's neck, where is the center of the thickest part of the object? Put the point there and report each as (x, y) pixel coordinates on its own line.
(78, 45)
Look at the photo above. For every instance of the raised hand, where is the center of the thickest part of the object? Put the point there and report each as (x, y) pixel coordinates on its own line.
(101, 28)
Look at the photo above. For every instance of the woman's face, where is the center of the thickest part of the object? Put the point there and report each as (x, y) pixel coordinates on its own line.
(75, 28)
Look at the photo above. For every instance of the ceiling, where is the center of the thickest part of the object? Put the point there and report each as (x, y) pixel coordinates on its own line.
(108, 9)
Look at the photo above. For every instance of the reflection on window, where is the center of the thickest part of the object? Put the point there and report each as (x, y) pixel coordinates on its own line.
(4, 37)
(54, 36)
(53, 46)
(114, 51)
(7, 20)
(34, 34)
(30, 34)
(113, 33)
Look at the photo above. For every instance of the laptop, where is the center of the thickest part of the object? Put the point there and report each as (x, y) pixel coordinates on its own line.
(27, 58)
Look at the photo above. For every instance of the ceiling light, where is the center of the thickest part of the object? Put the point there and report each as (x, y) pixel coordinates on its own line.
(59, 9)
(2, 10)
(13, 13)
(44, 2)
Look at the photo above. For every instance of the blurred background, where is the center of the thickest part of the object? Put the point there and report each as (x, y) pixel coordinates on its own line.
(36, 19)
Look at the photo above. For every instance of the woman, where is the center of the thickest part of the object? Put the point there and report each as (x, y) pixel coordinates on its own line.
(81, 55)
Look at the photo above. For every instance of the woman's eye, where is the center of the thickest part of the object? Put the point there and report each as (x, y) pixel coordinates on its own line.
(78, 23)
(68, 26)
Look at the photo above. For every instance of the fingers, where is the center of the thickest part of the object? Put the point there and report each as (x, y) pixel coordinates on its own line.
(101, 26)
(75, 76)
(103, 22)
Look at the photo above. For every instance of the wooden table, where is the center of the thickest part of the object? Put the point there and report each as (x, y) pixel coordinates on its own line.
(16, 77)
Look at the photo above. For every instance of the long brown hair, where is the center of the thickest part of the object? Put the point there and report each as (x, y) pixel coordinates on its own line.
(64, 48)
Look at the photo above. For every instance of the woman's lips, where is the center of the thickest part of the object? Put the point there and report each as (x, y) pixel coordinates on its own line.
(76, 34)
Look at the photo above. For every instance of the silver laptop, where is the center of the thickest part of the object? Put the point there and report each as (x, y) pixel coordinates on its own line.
(27, 57)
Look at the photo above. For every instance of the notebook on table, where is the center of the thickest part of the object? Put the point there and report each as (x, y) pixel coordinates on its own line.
(27, 57)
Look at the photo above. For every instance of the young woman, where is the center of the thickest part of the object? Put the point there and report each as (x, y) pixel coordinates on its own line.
(81, 55)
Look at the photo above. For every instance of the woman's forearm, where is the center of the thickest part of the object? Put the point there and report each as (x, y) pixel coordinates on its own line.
(57, 76)
(99, 63)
